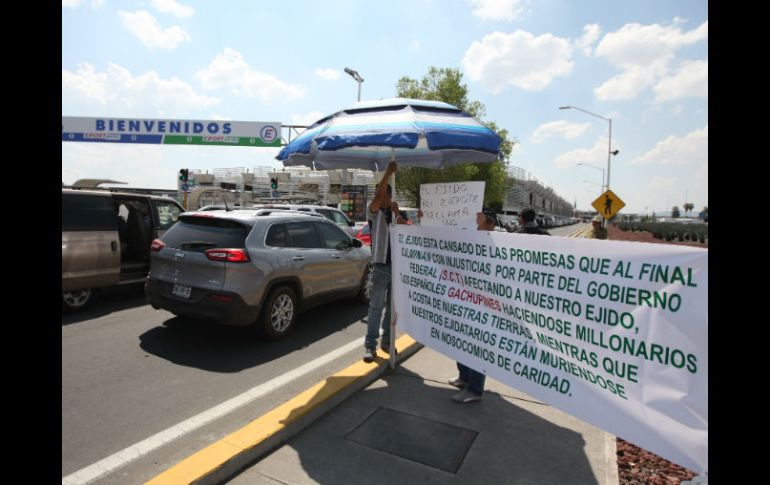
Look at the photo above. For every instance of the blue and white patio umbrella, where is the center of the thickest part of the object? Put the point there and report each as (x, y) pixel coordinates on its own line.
(413, 132)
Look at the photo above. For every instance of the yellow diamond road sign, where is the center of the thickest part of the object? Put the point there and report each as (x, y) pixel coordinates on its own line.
(608, 204)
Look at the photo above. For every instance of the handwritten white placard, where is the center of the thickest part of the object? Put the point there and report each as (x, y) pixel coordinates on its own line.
(451, 204)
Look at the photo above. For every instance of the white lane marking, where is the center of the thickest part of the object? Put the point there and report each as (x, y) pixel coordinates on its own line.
(123, 457)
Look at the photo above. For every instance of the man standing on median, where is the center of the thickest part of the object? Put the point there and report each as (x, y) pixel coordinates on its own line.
(597, 231)
(381, 213)
(471, 382)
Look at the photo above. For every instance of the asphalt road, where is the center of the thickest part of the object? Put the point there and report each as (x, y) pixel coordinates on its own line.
(129, 371)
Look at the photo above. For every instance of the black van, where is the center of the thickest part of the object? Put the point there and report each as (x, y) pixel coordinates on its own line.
(105, 239)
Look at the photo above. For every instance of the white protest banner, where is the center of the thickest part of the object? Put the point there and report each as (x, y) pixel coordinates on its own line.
(614, 333)
(452, 204)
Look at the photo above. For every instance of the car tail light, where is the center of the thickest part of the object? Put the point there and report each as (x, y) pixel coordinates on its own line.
(222, 298)
(230, 255)
(157, 245)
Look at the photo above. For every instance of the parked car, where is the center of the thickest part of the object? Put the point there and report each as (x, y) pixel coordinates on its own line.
(410, 214)
(365, 235)
(507, 222)
(254, 268)
(261, 212)
(335, 215)
(105, 239)
(216, 207)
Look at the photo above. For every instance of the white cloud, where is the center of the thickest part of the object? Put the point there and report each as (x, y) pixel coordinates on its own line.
(173, 7)
(519, 59)
(497, 9)
(643, 53)
(692, 79)
(229, 70)
(307, 119)
(328, 74)
(97, 4)
(631, 82)
(689, 149)
(641, 45)
(116, 92)
(562, 129)
(148, 30)
(596, 155)
(590, 35)
(658, 182)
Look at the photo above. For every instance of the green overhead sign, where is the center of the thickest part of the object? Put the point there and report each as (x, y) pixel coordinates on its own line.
(171, 132)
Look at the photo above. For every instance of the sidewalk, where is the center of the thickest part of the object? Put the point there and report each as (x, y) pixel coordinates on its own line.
(401, 427)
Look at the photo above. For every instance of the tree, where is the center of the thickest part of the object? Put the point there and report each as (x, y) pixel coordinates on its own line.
(445, 84)
(688, 206)
(674, 212)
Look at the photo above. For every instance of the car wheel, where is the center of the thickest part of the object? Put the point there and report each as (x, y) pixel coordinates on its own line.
(72, 301)
(279, 313)
(366, 286)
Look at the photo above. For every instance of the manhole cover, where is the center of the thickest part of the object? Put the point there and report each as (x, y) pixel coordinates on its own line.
(423, 440)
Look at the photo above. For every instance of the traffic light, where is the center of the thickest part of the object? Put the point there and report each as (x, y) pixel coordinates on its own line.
(274, 183)
(183, 174)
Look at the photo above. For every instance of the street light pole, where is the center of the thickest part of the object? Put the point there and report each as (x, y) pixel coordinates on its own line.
(358, 79)
(609, 147)
(601, 188)
(598, 168)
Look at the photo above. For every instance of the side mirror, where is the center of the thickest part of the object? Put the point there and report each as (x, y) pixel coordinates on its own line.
(351, 223)
(357, 243)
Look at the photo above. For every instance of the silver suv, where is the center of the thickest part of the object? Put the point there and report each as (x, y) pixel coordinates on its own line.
(251, 267)
(335, 215)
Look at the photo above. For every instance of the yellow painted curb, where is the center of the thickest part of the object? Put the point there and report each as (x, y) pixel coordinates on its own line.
(213, 457)
(580, 232)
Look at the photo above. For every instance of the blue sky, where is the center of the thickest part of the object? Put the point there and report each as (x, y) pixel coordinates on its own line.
(642, 63)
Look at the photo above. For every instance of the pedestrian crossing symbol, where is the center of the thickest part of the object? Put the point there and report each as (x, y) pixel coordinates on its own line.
(608, 204)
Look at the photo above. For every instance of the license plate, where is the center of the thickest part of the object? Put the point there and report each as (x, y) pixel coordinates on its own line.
(181, 291)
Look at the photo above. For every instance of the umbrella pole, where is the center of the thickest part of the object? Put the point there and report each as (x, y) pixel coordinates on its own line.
(392, 350)
(393, 315)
